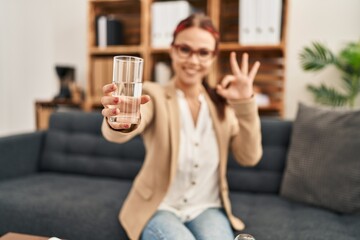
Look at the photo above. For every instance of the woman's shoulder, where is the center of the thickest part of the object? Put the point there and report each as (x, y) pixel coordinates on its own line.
(151, 87)
(156, 90)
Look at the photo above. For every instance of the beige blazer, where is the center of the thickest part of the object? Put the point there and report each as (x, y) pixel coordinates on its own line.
(159, 128)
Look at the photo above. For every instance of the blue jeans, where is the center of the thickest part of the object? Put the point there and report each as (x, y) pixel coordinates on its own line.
(211, 224)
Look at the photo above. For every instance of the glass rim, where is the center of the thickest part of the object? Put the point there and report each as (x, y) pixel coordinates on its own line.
(127, 58)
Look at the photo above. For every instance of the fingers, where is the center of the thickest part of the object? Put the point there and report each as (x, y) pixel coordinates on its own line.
(108, 89)
(221, 91)
(254, 70)
(109, 112)
(119, 126)
(145, 99)
(107, 100)
(245, 64)
(227, 81)
(234, 64)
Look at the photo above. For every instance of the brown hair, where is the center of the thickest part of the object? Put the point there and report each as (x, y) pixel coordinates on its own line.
(201, 21)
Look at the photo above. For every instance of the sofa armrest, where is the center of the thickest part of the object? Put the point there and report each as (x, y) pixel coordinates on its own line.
(20, 154)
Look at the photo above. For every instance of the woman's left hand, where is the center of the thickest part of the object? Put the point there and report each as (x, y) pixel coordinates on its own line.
(239, 85)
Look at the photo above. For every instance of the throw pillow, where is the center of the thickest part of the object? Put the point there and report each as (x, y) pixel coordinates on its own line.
(323, 165)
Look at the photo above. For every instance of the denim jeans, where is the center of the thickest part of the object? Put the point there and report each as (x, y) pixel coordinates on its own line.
(211, 224)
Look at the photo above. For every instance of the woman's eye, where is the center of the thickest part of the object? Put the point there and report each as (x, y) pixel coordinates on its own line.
(204, 52)
(185, 49)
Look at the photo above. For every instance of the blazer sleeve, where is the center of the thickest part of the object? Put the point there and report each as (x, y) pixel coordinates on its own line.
(120, 136)
(245, 140)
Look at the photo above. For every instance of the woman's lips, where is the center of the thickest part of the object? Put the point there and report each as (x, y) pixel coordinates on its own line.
(190, 71)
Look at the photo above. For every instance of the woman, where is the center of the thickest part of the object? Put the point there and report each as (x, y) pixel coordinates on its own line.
(181, 192)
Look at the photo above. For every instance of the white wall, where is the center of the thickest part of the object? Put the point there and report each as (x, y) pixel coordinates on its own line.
(333, 22)
(35, 35)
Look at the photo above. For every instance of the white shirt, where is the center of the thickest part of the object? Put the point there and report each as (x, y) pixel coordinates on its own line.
(196, 184)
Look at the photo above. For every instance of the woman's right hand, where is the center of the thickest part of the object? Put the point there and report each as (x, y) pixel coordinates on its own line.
(111, 106)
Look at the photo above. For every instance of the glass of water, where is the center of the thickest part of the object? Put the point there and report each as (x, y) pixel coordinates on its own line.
(127, 76)
(244, 237)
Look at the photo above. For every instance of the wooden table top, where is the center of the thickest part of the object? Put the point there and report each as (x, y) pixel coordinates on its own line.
(18, 236)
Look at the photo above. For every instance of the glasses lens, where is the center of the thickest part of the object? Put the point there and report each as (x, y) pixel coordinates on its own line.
(204, 54)
(184, 51)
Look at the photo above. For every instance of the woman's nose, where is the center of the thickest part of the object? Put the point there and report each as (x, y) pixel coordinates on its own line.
(194, 58)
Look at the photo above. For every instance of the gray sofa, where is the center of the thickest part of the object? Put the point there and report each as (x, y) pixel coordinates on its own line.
(70, 182)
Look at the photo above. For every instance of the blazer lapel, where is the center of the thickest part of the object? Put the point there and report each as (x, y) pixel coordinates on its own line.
(173, 109)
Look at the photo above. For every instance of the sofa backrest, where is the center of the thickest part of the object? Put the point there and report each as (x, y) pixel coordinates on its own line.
(266, 176)
(74, 144)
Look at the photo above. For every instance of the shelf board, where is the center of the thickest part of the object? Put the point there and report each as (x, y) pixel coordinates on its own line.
(160, 50)
(115, 50)
(232, 47)
(238, 47)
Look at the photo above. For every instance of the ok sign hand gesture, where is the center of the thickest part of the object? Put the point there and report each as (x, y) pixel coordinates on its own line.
(239, 85)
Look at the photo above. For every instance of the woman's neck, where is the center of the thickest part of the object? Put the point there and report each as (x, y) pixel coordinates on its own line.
(190, 91)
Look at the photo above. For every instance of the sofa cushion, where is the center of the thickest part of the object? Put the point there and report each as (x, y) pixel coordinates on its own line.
(269, 217)
(74, 144)
(63, 205)
(323, 166)
(266, 176)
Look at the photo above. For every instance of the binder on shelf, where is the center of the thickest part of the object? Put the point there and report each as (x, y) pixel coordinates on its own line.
(165, 17)
(247, 27)
(260, 22)
(109, 31)
(162, 73)
(273, 21)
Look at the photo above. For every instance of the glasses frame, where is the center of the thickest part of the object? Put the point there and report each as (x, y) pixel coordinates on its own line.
(192, 51)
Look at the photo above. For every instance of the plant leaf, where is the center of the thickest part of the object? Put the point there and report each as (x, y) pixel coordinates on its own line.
(316, 57)
(328, 96)
(349, 58)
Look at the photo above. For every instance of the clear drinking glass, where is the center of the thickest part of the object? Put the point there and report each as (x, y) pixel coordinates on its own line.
(244, 237)
(127, 75)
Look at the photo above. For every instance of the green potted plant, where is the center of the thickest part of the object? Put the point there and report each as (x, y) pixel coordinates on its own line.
(318, 56)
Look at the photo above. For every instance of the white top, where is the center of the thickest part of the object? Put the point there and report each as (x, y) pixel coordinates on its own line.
(196, 184)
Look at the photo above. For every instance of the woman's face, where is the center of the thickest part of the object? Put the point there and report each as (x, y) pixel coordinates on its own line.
(192, 55)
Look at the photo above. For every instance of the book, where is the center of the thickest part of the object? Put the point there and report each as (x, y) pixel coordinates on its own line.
(109, 31)
(260, 22)
(273, 21)
(247, 26)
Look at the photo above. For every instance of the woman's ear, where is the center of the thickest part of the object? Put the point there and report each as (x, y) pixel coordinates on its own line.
(171, 52)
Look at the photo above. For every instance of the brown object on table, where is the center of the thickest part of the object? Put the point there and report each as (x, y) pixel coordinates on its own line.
(18, 236)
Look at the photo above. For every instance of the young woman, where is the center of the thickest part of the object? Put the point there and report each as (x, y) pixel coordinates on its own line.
(181, 191)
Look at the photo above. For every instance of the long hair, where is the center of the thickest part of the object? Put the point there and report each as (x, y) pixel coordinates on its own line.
(201, 21)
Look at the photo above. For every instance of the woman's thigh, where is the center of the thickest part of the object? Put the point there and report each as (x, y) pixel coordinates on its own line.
(165, 225)
(211, 224)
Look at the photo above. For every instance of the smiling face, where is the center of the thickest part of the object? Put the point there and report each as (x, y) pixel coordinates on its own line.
(190, 69)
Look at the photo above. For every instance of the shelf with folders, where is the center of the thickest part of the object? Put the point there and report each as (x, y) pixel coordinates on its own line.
(137, 20)
(257, 27)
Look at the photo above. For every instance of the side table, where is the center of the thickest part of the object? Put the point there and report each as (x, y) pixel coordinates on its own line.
(18, 236)
(43, 110)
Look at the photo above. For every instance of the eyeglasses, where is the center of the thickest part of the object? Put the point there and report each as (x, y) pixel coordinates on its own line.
(184, 51)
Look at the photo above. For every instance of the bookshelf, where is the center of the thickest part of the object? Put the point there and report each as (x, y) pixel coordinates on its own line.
(136, 18)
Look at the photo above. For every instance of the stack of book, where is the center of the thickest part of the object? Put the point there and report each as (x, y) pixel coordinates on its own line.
(260, 22)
